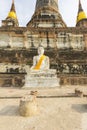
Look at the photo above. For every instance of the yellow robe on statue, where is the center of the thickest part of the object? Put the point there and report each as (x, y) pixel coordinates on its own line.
(38, 65)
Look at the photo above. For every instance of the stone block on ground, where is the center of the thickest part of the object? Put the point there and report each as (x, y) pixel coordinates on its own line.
(28, 106)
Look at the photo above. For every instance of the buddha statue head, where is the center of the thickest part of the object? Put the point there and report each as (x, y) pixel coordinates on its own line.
(40, 50)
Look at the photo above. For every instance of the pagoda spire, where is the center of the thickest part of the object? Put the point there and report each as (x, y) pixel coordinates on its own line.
(11, 19)
(81, 16)
(47, 3)
(46, 10)
(13, 6)
(80, 7)
(12, 13)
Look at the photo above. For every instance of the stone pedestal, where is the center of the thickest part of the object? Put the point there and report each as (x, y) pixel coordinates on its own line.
(47, 78)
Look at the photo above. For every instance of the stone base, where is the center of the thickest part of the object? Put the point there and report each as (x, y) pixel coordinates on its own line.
(46, 78)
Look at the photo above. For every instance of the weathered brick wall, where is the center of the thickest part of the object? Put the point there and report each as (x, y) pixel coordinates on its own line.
(11, 80)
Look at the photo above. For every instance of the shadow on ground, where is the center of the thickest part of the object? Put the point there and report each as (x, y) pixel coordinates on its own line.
(81, 108)
(10, 111)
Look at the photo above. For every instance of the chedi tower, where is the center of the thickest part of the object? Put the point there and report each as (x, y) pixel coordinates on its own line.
(11, 19)
(81, 17)
(46, 15)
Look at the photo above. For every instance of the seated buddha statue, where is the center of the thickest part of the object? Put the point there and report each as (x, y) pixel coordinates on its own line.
(41, 61)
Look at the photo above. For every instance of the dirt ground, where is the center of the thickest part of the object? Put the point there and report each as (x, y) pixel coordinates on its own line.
(58, 109)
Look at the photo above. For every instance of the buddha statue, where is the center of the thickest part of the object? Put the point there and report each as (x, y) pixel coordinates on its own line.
(40, 75)
(41, 61)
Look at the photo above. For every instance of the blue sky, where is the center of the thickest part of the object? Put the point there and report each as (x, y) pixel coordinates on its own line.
(25, 10)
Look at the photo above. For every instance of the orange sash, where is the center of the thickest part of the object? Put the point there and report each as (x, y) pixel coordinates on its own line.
(37, 67)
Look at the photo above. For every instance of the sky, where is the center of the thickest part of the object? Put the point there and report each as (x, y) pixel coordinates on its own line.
(26, 8)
